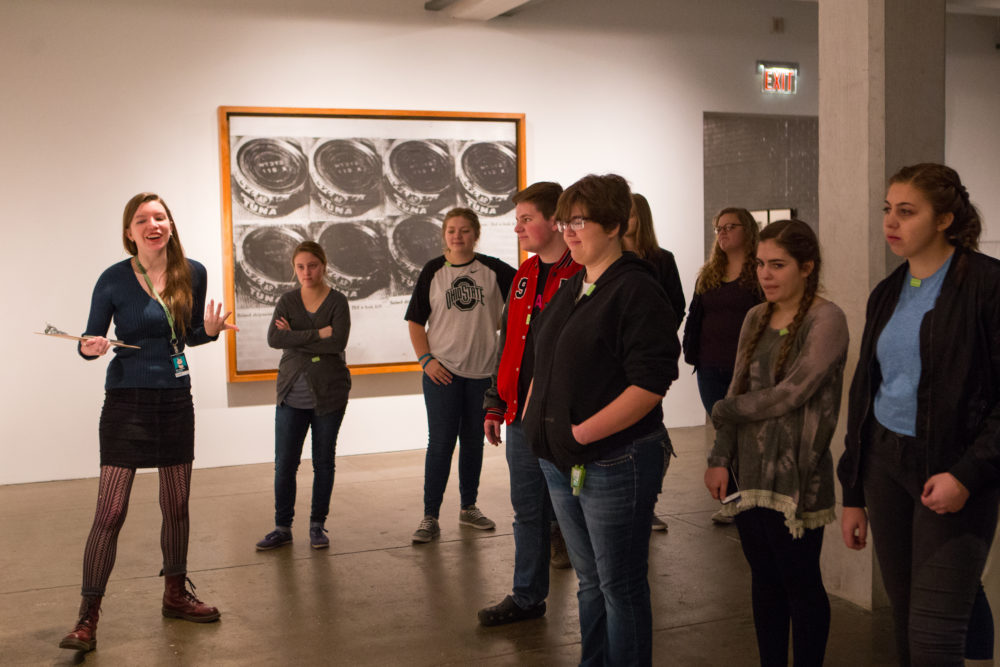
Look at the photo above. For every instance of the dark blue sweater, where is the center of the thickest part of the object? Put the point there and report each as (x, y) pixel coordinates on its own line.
(140, 320)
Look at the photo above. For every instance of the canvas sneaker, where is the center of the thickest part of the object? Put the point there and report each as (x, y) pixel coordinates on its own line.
(427, 530)
(471, 516)
(317, 540)
(276, 538)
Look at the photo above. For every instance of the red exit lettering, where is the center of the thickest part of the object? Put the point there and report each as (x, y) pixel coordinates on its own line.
(779, 80)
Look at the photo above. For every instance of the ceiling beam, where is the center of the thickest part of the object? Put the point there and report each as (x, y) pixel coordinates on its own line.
(474, 10)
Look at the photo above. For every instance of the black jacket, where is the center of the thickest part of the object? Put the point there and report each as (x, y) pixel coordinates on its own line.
(665, 270)
(588, 352)
(958, 396)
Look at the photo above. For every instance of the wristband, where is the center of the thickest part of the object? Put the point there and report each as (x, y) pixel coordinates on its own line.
(424, 365)
(421, 357)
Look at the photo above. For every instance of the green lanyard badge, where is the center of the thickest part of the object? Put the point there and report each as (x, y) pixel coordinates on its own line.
(576, 477)
(177, 359)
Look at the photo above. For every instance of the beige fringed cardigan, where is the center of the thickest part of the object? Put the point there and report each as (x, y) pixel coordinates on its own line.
(777, 436)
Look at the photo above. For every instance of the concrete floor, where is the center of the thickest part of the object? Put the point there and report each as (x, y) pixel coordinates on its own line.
(372, 598)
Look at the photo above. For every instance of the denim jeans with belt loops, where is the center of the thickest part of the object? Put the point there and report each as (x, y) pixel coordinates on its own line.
(607, 529)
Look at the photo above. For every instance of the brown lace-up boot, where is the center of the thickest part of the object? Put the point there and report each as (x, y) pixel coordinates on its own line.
(179, 602)
(84, 635)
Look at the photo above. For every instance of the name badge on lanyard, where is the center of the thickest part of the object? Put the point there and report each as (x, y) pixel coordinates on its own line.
(177, 359)
(180, 364)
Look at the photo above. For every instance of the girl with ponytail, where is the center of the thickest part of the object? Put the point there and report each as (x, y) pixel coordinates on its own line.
(776, 423)
(922, 450)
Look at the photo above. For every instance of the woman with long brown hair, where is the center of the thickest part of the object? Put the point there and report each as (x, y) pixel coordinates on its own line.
(156, 299)
(640, 238)
(776, 423)
(726, 290)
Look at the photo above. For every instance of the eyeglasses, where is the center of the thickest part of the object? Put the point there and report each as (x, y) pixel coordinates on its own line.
(728, 228)
(575, 223)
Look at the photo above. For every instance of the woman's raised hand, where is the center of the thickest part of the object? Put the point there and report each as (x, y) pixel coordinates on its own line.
(215, 321)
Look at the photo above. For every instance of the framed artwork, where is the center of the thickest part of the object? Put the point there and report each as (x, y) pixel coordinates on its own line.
(371, 187)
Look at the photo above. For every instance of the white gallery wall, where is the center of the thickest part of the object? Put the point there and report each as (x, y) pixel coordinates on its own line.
(103, 99)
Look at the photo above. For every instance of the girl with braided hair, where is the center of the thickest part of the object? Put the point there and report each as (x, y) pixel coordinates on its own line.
(922, 450)
(776, 422)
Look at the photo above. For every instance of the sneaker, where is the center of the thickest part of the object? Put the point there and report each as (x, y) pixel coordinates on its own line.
(659, 524)
(317, 540)
(471, 516)
(509, 612)
(427, 530)
(276, 538)
(721, 519)
(559, 557)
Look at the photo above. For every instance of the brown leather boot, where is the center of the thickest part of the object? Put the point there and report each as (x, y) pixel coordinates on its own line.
(179, 602)
(84, 635)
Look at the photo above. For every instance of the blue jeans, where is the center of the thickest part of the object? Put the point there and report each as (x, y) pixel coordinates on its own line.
(290, 427)
(529, 496)
(607, 535)
(454, 410)
(713, 383)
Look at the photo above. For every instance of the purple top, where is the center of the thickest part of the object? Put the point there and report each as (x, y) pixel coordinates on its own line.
(724, 308)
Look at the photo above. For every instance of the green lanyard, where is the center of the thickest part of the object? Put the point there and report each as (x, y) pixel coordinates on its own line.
(166, 311)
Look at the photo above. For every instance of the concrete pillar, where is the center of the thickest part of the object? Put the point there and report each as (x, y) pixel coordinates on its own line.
(881, 106)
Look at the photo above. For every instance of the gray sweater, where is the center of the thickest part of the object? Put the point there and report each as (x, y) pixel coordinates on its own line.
(778, 435)
(321, 359)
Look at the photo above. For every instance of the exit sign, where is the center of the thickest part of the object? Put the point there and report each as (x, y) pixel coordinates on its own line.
(781, 78)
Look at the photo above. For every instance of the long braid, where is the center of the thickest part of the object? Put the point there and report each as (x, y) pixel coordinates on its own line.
(966, 235)
(808, 295)
(800, 242)
(743, 381)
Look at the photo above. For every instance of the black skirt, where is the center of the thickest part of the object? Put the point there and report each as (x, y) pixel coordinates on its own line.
(147, 428)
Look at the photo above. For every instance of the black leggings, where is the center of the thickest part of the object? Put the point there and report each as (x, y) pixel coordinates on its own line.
(931, 563)
(112, 505)
(787, 586)
(979, 638)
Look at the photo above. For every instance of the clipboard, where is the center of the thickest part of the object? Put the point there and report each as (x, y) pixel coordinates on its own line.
(53, 332)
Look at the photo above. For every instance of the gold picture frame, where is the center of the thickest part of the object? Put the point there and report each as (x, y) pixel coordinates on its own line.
(369, 186)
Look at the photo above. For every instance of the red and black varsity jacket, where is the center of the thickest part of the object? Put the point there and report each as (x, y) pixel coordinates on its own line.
(500, 400)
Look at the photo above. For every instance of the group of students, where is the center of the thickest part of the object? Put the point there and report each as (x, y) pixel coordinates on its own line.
(588, 348)
(923, 429)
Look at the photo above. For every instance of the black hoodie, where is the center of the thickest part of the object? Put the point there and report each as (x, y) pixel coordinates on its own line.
(587, 352)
